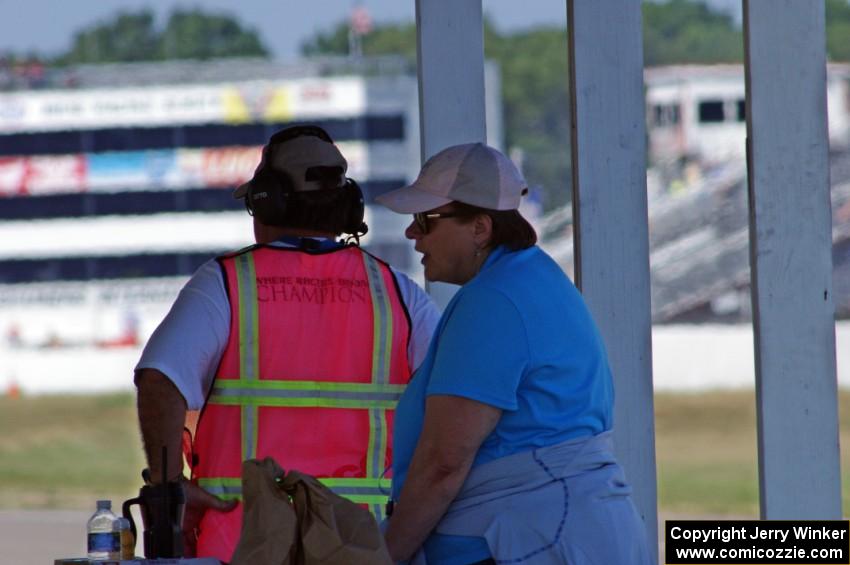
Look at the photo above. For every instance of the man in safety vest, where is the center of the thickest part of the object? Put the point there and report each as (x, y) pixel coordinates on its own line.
(296, 348)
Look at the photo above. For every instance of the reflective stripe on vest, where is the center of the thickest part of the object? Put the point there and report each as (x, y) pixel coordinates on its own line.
(305, 393)
(249, 346)
(249, 392)
(383, 331)
(362, 491)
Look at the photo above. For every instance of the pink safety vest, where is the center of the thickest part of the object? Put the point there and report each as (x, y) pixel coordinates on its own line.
(315, 362)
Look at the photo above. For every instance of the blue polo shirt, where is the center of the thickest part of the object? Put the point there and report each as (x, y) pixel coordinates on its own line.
(519, 337)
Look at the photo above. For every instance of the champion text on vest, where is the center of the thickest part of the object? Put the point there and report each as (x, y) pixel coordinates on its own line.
(314, 290)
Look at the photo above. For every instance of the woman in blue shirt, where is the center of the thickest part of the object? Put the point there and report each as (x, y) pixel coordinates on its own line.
(502, 441)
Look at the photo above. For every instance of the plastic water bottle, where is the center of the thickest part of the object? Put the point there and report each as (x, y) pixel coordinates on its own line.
(104, 537)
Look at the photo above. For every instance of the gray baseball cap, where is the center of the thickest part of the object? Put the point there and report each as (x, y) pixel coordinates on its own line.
(473, 173)
(296, 156)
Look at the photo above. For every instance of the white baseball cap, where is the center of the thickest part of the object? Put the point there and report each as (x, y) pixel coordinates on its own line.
(473, 173)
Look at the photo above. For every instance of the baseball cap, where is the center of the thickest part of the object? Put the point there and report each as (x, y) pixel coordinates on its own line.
(298, 152)
(473, 173)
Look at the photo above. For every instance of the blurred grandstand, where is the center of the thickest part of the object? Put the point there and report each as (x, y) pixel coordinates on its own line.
(698, 204)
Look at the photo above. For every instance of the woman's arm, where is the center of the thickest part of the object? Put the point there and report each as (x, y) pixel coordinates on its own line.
(453, 430)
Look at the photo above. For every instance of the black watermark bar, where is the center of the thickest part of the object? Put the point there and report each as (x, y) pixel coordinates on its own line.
(761, 542)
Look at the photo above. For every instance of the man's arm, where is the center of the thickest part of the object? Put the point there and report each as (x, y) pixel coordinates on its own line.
(452, 432)
(162, 415)
(424, 316)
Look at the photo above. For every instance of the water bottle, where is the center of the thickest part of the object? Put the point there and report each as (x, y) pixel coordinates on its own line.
(104, 537)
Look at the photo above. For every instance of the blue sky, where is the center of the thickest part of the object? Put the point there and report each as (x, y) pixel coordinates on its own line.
(47, 26)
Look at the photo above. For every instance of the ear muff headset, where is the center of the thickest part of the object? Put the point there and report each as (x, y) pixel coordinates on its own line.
(271, 194)
(356, 209)
(268, 196)
(270, 190)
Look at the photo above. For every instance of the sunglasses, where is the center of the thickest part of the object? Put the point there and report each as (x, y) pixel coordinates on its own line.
(421, 218)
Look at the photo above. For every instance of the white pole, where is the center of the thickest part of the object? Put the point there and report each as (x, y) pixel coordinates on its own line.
(450, 49)
(610, 216)
(791, 259)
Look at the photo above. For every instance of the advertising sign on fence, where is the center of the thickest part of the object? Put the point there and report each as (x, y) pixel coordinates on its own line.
(229, 103)
(172, 169)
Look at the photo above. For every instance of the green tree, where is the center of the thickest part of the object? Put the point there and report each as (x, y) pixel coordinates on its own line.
(536, 105)
(127, 37)
(688, 31)
(685, 31)
(188, 34)
(397, 39)
(193, 34)
(838, 30)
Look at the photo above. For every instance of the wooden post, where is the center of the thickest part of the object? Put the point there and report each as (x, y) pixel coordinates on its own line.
(610, 216)
(791, 260)
(450, 49)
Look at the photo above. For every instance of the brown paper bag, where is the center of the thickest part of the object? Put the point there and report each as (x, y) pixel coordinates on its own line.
(269, 522)
(332, 529)
(299, 521)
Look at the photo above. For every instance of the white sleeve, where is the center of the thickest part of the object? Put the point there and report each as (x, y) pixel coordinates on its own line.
(424, 316)
(187, 346)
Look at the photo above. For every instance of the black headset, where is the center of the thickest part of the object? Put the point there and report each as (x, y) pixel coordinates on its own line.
(271, 192)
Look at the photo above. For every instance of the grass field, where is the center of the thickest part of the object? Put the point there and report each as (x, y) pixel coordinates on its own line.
(66, 452)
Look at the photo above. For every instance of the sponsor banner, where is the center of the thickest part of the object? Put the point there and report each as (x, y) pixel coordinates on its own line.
(131, 170)
(13, 172)
(233, 103)
(169, 169)
(54, 174)
(225, 167)
(48, 174)
(316, 98)
(63, 110)
(72, 315)
(14, 112)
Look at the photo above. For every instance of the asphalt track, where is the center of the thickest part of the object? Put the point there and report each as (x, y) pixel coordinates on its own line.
(37, 537)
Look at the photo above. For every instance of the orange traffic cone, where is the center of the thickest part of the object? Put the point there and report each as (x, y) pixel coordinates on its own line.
(13, 390)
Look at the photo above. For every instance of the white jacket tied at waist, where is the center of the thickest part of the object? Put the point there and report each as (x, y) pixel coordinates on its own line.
(566, 503)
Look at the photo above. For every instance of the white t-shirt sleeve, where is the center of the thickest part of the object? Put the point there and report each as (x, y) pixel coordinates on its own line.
(187, 346)
(424, 316)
